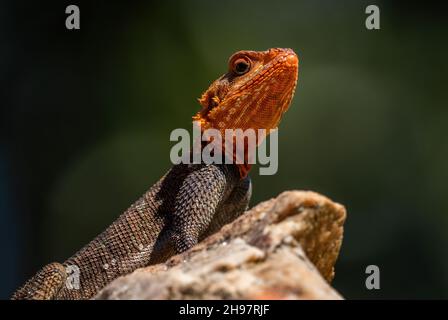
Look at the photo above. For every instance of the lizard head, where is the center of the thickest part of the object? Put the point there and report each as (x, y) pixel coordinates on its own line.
(254, 93)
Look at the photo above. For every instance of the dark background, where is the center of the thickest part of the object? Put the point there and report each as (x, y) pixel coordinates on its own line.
(86, 117)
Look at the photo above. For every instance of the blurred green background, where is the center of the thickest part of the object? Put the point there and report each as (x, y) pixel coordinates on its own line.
(86, 117)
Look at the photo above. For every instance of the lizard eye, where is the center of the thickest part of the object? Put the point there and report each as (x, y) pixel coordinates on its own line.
(241, 66)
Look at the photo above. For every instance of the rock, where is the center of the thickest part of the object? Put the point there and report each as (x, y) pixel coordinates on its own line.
(283, 248)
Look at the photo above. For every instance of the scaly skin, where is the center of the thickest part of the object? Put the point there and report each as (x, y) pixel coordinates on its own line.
(189, 202)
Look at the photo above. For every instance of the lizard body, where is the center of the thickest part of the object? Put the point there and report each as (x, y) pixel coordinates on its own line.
(191, 201)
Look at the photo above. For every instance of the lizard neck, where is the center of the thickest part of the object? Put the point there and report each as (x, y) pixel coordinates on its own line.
(243, 168)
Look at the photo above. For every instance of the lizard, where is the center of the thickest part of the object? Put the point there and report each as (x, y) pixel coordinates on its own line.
(191, 201)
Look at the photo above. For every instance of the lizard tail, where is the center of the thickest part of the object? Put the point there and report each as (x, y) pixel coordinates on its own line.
(45, 285)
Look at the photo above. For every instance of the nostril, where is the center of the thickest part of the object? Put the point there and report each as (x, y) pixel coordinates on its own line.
(292, 60)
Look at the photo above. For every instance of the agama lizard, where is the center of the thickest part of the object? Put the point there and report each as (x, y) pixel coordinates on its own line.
(191, 201)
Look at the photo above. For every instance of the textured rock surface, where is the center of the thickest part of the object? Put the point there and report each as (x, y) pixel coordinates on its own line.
(284, 248)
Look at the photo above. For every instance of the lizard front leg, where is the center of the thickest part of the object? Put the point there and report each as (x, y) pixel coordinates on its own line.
(45, 285)
(199, 199)
(233, 206)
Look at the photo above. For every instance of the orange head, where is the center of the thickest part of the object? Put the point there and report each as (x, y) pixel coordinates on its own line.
(254, 93)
